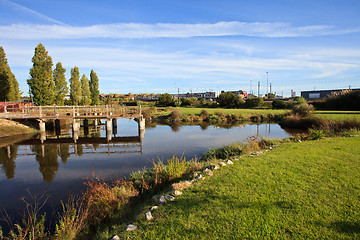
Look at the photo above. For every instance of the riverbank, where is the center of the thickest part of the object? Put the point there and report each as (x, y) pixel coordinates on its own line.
(10, 128)
(297, 190)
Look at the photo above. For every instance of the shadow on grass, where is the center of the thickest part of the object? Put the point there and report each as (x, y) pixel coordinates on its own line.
(346, 227)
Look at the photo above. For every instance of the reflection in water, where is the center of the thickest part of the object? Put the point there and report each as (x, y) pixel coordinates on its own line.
(64, 152)
(46, 156)
(7, 159)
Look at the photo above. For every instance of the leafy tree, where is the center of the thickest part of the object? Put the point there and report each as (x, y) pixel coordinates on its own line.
(254, 102)
(279, 104)
(94, 88)
(61, 88)
(230, 100)
(9, 87)
(85, 98)
(75, 86)
(165, 100)
(41, 81)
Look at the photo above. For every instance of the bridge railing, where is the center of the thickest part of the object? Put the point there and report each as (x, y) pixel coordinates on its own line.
(106, 111)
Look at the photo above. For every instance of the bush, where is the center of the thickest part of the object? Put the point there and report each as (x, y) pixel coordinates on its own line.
(230, 100)
(204, 114)
(254, 102)
(303, 109)
(175, 114)
(279, 104)
(165, 100)
(147, 112)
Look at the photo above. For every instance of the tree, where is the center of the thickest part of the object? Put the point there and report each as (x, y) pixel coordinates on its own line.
(41, 81)
(9, 87)
(165, 100)
(85, 98)
(94, 88)
(230, 100)
(61, 88)
(75, 86)
(254, 102)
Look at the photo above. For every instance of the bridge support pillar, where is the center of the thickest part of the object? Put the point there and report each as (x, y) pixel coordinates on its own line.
(57, 127)
(114, 126)
(75, 126)
(141, 127)
(42, 126)
(108, 129)
(42, 137)
(86, 126)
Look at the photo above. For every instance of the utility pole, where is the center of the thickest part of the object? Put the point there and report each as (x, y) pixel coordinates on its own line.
(267, 84)
(250, 86)
(270, 88)
(259, 89)
(178, 96)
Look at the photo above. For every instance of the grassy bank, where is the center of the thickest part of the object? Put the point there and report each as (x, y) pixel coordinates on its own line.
(10, 128)
(307, 190)
(338, 115)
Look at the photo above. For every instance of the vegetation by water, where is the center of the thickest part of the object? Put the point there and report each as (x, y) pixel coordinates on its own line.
(307, 190)
(10, 128)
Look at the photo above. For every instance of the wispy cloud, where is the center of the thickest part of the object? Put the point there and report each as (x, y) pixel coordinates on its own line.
(30, 11)
(167, 30)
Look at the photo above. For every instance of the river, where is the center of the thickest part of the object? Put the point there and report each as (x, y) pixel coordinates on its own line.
(58, 169)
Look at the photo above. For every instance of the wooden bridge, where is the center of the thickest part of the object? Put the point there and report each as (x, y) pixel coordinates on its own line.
(76, 113)
(71, 112)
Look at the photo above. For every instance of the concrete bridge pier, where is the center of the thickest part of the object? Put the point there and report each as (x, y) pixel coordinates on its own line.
(75, 130)
(114, 126)
(86, 126)
(42, 137)
(108, 129)
(141, 127)
(57, 127)
(42, 126)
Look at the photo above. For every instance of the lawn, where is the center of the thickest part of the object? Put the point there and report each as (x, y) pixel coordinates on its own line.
(338, 115)
(308, 190)
(185, 110)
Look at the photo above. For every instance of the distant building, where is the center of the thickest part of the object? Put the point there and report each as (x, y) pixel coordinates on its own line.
(319, 94)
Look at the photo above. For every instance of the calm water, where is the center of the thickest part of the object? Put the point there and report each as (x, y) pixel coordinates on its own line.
(60, 169)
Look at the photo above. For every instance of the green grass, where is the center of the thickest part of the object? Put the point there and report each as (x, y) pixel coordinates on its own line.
(308, 190)
(185, 110)
(338, 115)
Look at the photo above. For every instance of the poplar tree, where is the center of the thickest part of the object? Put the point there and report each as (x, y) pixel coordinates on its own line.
(75, 86)
(94, 88)
(41, 82)
(85, 98)
(9, 87)
(61, 88)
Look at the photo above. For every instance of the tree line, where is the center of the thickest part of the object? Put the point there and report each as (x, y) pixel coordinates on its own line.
(48, 86)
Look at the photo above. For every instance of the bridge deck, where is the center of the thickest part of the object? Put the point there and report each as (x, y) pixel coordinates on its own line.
(71, 112)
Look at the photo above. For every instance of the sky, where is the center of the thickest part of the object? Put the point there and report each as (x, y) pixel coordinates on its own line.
(159, 46)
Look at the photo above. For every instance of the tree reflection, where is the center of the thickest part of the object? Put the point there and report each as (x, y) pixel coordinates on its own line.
(64, 152)
(204, 125)
(7, 159)
(46, 156)
(96, 134)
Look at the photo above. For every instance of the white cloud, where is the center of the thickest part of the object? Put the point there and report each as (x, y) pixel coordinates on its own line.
(26, 10)
(167, 30)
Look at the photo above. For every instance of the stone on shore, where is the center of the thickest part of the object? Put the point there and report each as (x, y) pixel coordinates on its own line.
(148, 216)
(162, 200)
(229, 162)
(222, 164)
(116, 237)
(153, 208)
(177, 193)
(181, 185)
(170, 198)
(131, 227)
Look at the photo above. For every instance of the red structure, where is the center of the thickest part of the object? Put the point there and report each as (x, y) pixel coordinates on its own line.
(14, 106)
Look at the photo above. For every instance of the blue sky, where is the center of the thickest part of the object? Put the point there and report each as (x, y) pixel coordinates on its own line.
(161, 45)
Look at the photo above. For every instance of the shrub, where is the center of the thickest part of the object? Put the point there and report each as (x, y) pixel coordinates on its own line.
(204, 114)
(165, 100)
(175, 114)
(147, 112)
(279, 104)
(303, 109)
(230, 100)
(254, 102)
